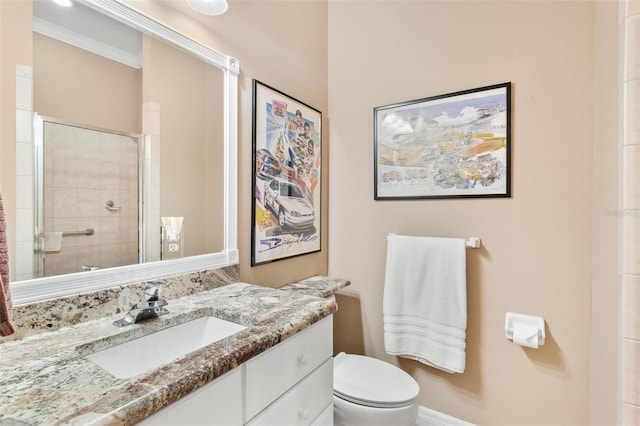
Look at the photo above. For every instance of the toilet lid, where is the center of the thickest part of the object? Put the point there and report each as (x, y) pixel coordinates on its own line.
(372, 382)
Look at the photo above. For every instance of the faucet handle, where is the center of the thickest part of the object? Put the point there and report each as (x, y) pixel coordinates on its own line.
(153, 289)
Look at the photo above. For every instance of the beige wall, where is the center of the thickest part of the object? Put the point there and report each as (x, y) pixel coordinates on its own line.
(537, 245)
(74, 85)
(191, 141)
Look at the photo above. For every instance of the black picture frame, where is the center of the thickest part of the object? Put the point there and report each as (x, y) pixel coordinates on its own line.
(456, 145)
(287, 176)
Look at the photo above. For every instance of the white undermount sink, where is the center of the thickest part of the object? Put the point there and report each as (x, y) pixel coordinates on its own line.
(146, 353)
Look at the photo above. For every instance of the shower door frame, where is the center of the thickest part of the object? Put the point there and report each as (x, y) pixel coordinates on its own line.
(38, 202)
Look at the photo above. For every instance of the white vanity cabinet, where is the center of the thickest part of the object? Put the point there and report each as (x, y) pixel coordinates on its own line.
(289, 384)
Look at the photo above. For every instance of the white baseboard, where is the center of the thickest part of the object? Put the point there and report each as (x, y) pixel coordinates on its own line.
(429, 417)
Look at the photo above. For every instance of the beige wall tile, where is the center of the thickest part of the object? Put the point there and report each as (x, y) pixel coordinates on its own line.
(630, 415)
(631, 243)
(92, 222)
(89, 202)
(109, 230)
(109, 147)
(109, 175)
(632, 7)
(60, 137)
(128, 151)
(88, 174)
(631, 307)
(632, 101)
(109, 195)
(109, 255)
(64, 262)
(129, 253)
(631, 184)
(62, 224)
(89, 255)
(65, 202)
(632, 44)
(88, 145)
(631, 372)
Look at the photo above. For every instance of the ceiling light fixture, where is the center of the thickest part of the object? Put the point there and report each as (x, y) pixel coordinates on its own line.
(209, 7)
(64, 3)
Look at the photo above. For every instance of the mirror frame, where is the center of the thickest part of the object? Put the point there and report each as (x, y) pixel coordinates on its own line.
(41, 289)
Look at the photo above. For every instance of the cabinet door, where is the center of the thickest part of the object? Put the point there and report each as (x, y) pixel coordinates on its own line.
(218, 403)
(303, 403)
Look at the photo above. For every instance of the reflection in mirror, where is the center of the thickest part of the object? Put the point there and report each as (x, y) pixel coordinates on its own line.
(93, 70)
(79, 226)
(166, 106)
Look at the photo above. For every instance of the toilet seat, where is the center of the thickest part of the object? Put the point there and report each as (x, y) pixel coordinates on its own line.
(371, 382)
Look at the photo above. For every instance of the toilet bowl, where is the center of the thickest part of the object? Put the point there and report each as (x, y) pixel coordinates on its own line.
(368, 391)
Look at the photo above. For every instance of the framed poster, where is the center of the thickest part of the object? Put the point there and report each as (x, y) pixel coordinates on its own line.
(447, 146)
(287, 142)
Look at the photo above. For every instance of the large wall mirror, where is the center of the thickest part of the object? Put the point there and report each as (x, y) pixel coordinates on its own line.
(135, 125)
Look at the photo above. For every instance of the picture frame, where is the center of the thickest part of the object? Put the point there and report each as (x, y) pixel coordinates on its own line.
(456, 145)
(287, 176)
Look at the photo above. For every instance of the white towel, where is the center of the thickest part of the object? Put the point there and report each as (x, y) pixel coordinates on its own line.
(425, 300)
(52, 241)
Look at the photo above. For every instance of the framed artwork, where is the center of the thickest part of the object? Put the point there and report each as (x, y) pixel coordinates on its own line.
(287, 142)
(448, 146)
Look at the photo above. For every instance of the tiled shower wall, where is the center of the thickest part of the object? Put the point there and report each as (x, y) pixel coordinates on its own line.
(630, 265)
(84, 169)
(151, 180)
(24, 173)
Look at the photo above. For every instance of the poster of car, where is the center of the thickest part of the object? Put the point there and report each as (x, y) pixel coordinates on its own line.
(447, 146)
(287, 140)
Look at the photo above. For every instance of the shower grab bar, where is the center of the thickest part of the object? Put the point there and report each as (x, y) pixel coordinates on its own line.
(88, 231)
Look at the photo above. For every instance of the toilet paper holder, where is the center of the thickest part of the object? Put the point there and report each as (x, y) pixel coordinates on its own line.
(528, 324)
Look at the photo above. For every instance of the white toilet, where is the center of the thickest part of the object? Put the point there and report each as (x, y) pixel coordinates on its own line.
(368, 391)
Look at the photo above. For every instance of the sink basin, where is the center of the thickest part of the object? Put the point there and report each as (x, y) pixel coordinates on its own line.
(146, 353)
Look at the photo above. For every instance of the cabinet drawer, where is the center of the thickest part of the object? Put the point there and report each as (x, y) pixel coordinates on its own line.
(325, 418)
(302, 404)
(276, 370)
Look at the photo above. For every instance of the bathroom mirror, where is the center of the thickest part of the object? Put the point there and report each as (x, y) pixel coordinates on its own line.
(154, 109)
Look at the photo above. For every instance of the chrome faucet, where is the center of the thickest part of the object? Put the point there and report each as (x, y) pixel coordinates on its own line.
(152, 306)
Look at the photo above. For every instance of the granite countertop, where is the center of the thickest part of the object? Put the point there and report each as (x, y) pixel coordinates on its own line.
(45, 379)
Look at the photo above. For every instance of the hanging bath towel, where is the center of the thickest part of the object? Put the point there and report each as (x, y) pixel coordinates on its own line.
(425, 300)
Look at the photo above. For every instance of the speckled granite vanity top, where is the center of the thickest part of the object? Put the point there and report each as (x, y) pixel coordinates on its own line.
(45, 378)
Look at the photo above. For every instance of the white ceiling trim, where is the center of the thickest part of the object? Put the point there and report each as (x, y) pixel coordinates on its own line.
(73, 38)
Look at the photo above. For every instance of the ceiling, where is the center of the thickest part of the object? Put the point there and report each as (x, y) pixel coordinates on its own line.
(88, 29)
